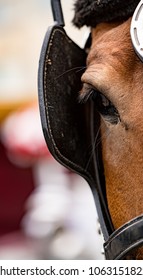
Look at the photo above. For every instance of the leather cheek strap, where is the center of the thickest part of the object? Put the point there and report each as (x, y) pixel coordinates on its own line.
(124, 239)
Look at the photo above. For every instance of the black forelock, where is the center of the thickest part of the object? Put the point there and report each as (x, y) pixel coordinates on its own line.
(92, 12)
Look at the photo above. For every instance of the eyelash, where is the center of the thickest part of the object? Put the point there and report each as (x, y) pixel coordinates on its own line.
(103, 105)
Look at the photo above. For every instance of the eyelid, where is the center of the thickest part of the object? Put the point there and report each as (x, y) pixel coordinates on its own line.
(86, 92)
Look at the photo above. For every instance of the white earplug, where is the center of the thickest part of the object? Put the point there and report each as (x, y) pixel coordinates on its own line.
(136, 30)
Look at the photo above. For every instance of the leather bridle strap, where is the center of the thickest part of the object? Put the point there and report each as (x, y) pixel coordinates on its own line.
(57, 12)
(123, 240)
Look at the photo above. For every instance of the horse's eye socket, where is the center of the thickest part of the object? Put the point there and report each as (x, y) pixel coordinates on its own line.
(105, 107)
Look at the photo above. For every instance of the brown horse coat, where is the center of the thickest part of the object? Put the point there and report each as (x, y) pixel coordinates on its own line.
(115, 71)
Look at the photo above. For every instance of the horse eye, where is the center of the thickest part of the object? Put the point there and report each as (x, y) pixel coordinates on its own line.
(105, 107)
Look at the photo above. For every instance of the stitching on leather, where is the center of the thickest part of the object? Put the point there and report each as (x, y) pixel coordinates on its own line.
(46, 102)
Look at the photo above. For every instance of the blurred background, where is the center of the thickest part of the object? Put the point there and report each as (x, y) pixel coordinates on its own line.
(46, 212)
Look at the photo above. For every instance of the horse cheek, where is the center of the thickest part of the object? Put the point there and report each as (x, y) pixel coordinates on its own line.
(122, 173)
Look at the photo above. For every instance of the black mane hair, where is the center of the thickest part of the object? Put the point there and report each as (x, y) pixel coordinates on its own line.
(92, 12)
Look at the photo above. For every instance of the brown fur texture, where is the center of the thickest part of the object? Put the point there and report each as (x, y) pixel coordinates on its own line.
(115, 70)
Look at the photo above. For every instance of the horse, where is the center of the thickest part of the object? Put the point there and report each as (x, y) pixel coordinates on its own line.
(112, 81)
(114, 74)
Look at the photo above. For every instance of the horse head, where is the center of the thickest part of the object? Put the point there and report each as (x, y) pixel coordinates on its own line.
(102, 140)
(113, 80)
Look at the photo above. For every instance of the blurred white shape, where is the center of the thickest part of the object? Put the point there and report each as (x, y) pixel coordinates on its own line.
(84, 217)
(47, 210)
(22, 130)
(49, 174)
(68, 244)
(22, 135)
